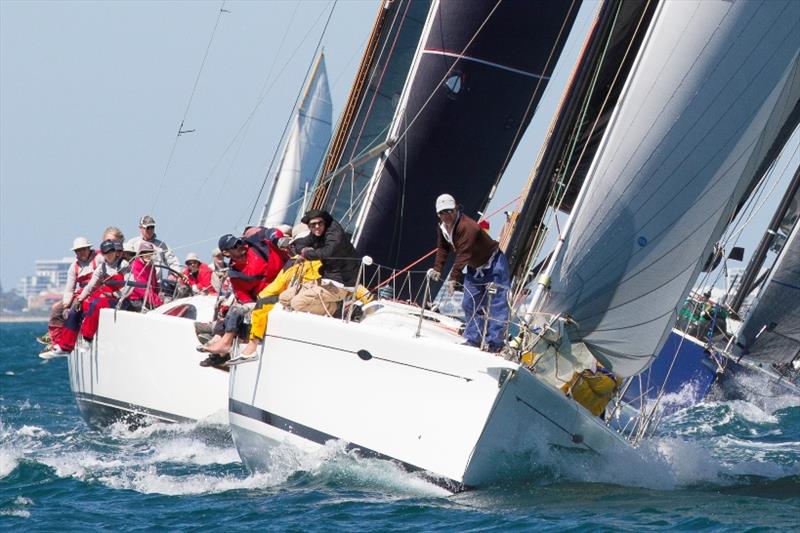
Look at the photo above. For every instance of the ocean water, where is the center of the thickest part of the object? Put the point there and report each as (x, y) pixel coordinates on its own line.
(718, 466)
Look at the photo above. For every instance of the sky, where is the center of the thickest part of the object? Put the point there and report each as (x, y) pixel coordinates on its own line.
(92, 95)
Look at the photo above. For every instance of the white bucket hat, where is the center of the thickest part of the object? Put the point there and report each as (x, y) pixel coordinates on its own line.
(191, 256)
(80, 242)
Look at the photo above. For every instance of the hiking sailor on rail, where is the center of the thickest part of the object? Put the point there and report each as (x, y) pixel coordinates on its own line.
(487, 272)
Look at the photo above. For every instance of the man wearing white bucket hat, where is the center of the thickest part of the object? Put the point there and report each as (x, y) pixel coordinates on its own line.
(197, 275)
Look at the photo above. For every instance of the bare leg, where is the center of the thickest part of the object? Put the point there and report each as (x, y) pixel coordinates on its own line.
(222, 345)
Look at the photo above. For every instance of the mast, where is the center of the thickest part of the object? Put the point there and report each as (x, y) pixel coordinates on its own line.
(757, 261)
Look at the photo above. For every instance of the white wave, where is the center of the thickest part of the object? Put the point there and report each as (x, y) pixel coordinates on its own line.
(19, 501)
(149, 481)
(9, 459)
(751, 412)
(10, 373)
(187, 450)
(32, 431)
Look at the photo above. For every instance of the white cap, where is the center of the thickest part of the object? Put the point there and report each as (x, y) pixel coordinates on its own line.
(191, 256)
(80, 242)
(128, 246)
(215, 252)
(445, 201)
(286, 229)
(299, 231)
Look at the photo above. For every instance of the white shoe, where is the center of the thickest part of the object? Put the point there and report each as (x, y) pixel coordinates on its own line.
(239, 359)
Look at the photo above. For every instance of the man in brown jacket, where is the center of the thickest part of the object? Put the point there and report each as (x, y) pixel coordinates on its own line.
(485, 264)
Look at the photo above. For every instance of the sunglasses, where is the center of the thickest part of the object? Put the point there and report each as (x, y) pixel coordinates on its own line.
(316, 224)
(446, 212)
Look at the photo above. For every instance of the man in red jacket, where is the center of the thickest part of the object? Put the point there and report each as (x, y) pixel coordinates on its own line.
(197, 275)
(252, 266)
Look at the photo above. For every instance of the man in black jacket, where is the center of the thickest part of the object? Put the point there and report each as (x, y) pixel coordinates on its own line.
(329, 243)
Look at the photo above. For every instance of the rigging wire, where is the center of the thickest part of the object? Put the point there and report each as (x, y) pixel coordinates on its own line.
(181, 131)
(258, 103)
(289, 119)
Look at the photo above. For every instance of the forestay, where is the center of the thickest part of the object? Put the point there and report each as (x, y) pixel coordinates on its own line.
(670, 171)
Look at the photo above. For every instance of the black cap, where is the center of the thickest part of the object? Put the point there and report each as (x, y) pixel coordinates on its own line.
(228, 242)
(108, 246)
(317, 213)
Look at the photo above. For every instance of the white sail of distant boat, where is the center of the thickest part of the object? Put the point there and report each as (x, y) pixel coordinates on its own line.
(305, 148)
(668, 174)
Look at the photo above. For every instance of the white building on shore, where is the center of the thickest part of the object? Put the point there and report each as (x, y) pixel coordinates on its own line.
(50, 276)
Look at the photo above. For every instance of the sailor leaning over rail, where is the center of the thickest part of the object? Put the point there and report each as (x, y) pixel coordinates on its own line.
(329, 243)
(295, 270)
(487, 271)
(252, 266)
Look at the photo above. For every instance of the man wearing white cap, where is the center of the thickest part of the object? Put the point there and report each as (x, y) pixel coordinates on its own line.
(164, 255)
(486, 267)
(78, 276)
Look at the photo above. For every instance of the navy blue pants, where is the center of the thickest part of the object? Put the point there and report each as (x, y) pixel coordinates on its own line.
(476, 301)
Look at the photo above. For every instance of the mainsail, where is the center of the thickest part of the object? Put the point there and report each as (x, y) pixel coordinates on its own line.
(305, 148)
(669, 172)
(477, 75)
(373, 99)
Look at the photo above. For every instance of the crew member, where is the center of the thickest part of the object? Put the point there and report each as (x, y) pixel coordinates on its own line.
(103, 289)
(485, 264)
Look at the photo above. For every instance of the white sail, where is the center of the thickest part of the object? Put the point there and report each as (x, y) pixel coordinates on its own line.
(306, 146)
(670, 169)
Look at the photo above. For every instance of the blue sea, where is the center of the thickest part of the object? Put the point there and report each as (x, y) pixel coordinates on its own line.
(718, 466)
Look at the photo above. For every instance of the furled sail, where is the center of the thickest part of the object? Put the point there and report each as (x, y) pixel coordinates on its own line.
(669, 172)
(476, 78)
(771, 332)
(305, 148)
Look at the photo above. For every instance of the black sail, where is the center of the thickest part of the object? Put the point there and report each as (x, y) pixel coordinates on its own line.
(371, 106)
(477, 81)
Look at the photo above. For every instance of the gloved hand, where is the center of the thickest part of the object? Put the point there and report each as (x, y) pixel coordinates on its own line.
(450, 286)
(65, 313)
(76, 305)
(434, 275)
(305, 251)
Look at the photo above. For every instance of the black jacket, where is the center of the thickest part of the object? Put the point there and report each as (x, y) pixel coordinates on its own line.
(339, 259)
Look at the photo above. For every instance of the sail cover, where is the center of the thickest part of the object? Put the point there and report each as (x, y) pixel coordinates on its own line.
(477, 75)
(771, 332)
(669, 171)
(305, 147)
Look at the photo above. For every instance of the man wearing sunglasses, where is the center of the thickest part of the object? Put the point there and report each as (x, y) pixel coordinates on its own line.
(329, 243)
(485, 265)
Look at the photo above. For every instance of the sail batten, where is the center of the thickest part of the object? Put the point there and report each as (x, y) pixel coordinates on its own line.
(670, 170)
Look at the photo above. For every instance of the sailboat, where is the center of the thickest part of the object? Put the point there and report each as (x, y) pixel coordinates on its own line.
(768, 341)
(303, 154)
(144, 366)
(666, 176)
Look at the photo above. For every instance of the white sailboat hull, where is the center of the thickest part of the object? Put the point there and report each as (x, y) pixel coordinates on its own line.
(426, 402)
(145, 366)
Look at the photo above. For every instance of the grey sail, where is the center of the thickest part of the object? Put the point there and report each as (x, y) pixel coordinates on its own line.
(670, 170)
(771, 332)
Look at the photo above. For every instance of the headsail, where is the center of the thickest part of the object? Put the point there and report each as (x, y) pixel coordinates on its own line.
(477, 76)
(305, 148)
(669, 170)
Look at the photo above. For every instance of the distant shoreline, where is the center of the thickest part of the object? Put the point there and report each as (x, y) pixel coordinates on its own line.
(13, 319)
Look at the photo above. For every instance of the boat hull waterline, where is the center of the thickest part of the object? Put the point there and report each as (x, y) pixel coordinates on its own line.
(426, 402)
(145, 367)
